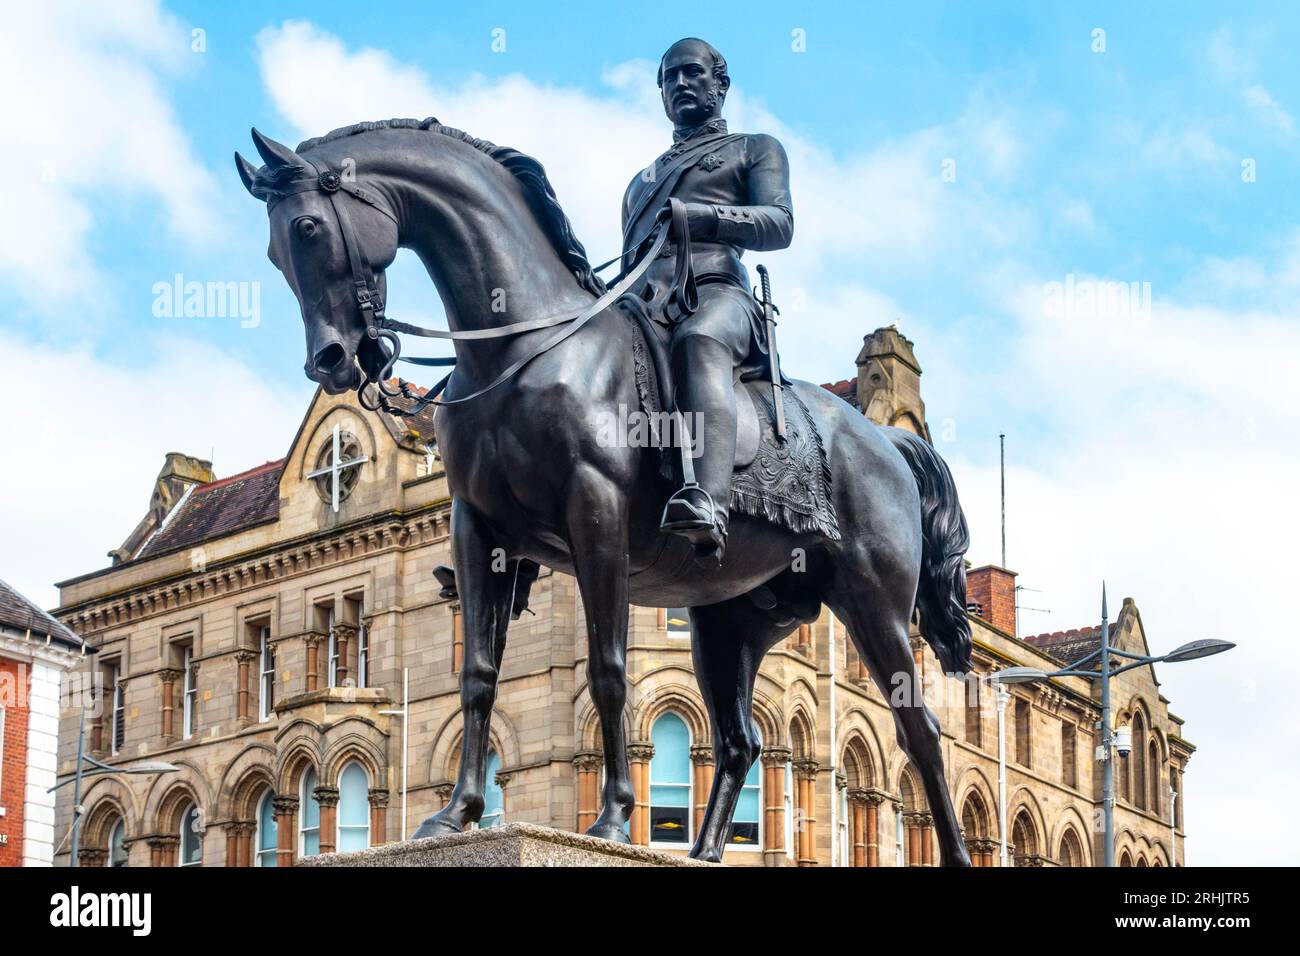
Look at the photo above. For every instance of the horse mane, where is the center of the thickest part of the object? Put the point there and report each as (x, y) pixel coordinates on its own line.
(538, 192)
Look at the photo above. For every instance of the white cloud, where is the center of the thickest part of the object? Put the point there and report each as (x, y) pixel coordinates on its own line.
(76, 486)
(88, 113)
(1269, 110)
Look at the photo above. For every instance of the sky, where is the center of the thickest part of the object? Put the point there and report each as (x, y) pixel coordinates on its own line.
(989, 177)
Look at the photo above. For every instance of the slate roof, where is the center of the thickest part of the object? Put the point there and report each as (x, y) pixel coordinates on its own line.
(220, 508)
(20, 614)
(1069, 646)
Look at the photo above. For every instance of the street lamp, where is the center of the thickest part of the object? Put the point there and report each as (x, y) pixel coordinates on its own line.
(147, 766)
(1120, 740)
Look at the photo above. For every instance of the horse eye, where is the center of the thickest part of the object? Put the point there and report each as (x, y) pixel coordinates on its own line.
(305, 227)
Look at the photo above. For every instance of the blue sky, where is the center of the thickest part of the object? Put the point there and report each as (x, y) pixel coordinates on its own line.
(1143, 443)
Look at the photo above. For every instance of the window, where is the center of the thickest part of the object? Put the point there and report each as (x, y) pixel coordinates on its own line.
(266, 671)
(354, 614)
(744, 824)
(670, 782)
(1069, 765)
(309, 815)
(974, 717)
(493, 797)
(844, 857)
(1022, 732)
(354, 808)
(191, 837)
(267, 833)
(117, 855)
(677, 620)
(119, 706)
(333, 647)
(191, 698)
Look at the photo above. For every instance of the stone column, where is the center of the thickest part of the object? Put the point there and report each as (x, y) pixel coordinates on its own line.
(588, 764)
(805, 772)
(913, 836)
(162, 850)
(639, 755)
(774, 761)
(871, 824)
(328, 798)
(344, 635)
(926, 822)
(286, 829)
(702, 781)
(169, 677)
(92, 857)
(857, 827)
(311, 640)
(379, 817)
(244, 658)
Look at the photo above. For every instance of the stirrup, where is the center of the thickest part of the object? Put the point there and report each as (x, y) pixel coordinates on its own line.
(701, 518)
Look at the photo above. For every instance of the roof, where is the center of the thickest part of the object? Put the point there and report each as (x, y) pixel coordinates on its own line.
(1069, 646)
(220, 508)
(21, 614)
(846, 389)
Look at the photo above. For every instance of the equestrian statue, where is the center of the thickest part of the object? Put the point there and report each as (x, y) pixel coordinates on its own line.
(773, 499)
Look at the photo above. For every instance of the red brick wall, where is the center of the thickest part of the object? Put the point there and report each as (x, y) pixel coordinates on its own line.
(13, 775)
(994, 590)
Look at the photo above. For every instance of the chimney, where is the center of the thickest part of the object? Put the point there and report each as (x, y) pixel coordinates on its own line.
(889, 381)
(991, 595)
(179, 473)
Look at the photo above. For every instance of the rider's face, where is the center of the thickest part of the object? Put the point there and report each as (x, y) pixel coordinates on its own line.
(691, 93)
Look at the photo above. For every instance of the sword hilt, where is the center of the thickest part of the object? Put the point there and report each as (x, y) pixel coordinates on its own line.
(765, 284)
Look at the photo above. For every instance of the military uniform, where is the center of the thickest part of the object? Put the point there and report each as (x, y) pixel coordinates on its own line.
(736, 189)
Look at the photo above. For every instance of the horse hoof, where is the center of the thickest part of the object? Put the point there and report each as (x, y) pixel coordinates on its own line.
(434, 827)
(610, 832)
(707, 856)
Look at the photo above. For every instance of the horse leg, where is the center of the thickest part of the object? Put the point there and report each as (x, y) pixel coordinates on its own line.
(486, 593)
(597, 521)
(877, 611)
(728, 641)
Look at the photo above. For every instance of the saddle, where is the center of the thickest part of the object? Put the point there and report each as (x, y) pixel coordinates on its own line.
(785, 482)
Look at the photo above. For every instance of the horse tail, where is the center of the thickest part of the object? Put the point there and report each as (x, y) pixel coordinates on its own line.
(941, 592)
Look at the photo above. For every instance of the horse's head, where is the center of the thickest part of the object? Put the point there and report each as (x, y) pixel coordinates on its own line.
(332, 239)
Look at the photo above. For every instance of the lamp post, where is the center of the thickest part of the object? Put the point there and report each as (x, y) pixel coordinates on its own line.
(1004, 696)
(148, 766)
(1105, 753)
(405, 714)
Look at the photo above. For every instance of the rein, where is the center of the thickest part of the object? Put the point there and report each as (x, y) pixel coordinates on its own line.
(380, 326)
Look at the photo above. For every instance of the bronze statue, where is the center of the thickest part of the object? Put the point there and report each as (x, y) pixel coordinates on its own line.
(880, 536)
(736, 189)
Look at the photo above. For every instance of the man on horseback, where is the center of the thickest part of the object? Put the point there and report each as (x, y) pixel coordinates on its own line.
(736, 191)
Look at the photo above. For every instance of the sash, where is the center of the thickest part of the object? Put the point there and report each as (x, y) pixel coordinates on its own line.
(665, 182)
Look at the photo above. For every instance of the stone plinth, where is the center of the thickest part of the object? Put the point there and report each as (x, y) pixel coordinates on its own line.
(514, 844)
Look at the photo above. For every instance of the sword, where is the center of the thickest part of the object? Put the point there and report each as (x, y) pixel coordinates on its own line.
(773, 363)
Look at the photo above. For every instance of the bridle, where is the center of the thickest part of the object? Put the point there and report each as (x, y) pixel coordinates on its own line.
(380, 328)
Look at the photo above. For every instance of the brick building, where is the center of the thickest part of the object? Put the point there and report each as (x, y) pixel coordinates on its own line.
(35, 651)
(254, 635)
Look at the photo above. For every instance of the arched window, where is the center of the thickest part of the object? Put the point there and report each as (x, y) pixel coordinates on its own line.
(1139, 762)
(1125, 859)
(1153, 771)
(354, 808)
(308, 816)
(1071, 849)
(1024, 838)
(494, 798)
(745, 830)
(975, 821)
(267, 835)
(670, 782)
(117, 855)
(191, 839)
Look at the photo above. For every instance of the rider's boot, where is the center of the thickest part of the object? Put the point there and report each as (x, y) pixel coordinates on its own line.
(698, 510)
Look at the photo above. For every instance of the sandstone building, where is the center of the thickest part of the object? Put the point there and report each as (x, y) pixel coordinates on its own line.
(257, 637)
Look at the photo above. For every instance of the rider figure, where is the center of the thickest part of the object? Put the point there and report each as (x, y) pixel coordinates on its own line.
(736, 190)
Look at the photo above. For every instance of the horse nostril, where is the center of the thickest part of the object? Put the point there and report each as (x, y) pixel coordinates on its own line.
(329, 358)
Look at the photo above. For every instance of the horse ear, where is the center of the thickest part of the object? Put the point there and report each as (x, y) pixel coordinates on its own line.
(275, 154)
(247, 173)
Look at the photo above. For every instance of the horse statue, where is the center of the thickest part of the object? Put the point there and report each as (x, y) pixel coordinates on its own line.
(533, 478)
